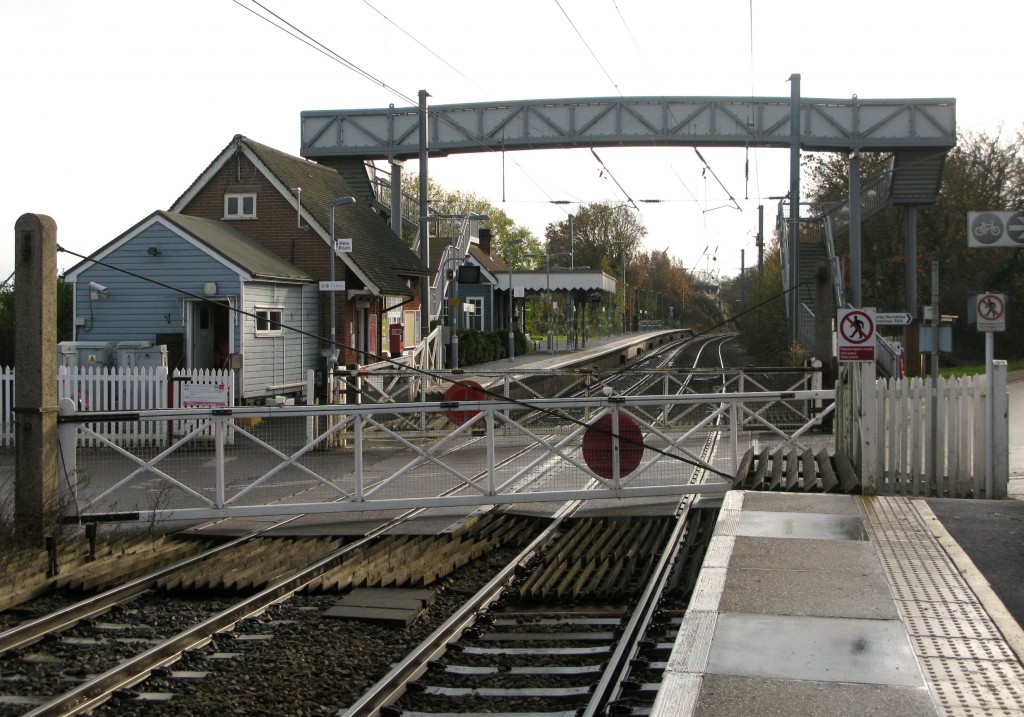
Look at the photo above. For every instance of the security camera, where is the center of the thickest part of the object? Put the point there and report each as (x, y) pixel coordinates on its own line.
(97, 291)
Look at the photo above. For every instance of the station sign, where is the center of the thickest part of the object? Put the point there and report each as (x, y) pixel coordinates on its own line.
(995, 229)
(332, 286)
(855, 334)
(990, 312)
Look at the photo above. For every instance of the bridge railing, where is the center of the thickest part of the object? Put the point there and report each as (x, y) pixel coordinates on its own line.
(318, 459)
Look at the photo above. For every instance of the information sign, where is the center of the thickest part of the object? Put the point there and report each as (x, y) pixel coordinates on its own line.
(204, 395)
(891, 319)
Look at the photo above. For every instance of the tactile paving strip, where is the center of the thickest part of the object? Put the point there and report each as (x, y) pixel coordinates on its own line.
(966, 663)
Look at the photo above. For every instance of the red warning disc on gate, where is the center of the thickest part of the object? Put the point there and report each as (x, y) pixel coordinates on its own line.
(597, 446)
(467, 390)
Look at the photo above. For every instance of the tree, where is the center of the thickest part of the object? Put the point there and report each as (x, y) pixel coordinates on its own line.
(983, 172)
(763, 326)
(603, 234)
(503, 230)
(600, 232)
(65, 319)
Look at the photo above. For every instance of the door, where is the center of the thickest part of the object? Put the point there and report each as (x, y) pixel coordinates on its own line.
(209, 341)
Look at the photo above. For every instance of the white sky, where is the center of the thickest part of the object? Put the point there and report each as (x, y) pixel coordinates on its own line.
(113, 107)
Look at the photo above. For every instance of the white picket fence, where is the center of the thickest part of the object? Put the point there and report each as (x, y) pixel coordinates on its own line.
(903, 444)
(118, 389)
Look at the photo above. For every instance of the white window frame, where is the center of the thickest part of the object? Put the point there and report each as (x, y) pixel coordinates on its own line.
(474, 320)
(240, 198)
(265, 315)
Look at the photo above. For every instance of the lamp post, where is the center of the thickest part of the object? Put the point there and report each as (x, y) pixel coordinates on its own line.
(341, 201)
(511, 302)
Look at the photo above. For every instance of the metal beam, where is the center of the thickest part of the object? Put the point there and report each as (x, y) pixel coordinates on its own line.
(826, 124)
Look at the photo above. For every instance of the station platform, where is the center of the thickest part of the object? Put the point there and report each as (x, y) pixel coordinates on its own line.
(840, 605)
(589, 351)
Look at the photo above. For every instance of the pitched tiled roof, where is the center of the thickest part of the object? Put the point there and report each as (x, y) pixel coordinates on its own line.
(491, 263)
(236, 247)
(376, 250)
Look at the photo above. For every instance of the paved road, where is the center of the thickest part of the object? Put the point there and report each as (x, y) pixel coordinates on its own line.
(992, 532)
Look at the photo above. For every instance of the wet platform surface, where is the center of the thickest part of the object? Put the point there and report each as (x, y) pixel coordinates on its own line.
(837, 605)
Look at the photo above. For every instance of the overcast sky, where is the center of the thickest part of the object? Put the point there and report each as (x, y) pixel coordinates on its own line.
(113, 107)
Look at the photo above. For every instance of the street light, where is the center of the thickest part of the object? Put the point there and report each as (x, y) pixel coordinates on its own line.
(341, 201)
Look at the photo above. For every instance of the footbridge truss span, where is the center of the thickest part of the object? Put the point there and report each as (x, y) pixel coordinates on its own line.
(825, 125)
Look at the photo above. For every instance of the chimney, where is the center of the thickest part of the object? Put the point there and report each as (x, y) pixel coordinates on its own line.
(485, 241)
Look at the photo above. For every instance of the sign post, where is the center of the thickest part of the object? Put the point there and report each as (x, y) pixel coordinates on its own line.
(990, 312)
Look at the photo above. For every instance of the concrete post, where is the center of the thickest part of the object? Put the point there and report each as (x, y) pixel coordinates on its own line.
(36, 506)
(1000, 433)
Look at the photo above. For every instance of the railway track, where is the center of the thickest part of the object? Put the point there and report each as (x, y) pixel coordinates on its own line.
(584, 587)
(544, 637)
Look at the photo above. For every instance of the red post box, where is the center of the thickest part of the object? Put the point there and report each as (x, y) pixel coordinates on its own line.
(396, 335)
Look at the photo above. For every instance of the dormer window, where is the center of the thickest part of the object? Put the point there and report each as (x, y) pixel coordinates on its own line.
(239, 206)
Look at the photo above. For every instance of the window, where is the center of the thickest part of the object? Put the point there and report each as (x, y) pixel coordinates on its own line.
(239, 206)
(268, 320)
(473, 312)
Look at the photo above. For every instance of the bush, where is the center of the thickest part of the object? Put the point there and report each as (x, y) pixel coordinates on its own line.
(476, 347)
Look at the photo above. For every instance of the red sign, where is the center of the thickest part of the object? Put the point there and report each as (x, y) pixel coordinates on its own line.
(463, 391)
(856, 334)
(991, 312)
(597, 446)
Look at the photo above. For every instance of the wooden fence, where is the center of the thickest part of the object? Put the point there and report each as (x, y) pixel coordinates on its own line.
(123, 389)
(908, 437)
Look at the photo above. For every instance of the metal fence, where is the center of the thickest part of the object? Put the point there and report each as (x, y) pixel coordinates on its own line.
(315, 459)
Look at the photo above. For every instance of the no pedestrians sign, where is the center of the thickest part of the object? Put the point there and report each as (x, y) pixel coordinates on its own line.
(991, 312)
(856, 334)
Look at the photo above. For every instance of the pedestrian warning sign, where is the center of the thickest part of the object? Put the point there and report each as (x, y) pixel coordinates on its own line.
(991, 312)
(855, 334)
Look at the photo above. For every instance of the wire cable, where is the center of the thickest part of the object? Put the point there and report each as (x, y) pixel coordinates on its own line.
(554, 413)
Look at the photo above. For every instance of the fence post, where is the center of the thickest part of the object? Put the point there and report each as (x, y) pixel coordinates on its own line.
(357, 454)
(67, 454)
(734, 438)
(1000, 442)
(219, 428)
(491, 458)
(310, 400)
(869, 429)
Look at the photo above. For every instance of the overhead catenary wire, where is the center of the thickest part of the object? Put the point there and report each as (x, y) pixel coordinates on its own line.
(303, 37)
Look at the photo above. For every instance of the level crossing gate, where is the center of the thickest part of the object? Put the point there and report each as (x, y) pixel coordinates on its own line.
(395, 456)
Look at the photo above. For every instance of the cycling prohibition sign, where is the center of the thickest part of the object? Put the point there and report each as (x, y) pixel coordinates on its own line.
(856, 334)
